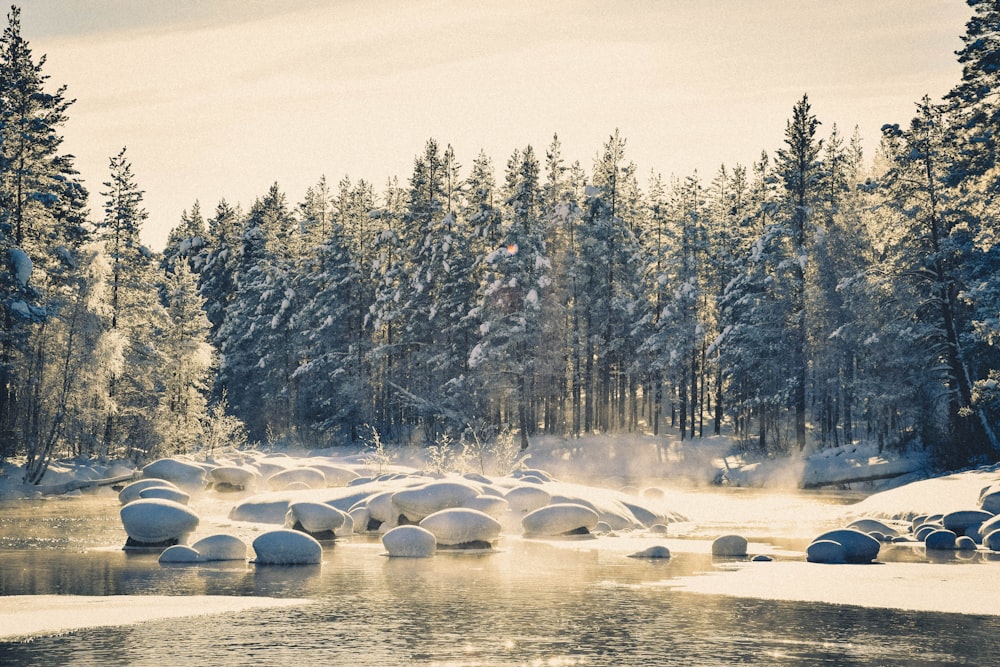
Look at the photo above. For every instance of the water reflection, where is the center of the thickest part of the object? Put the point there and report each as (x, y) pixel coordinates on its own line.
(528, 603)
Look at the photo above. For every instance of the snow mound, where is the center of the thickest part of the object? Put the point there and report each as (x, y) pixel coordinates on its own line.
(155, 522)
(525, 499)
(311, 478)
(165, 493)
(131, 491)
(409, 542)
(179, 553)
(858, 547)
(181, 473)
(494, 506)
(336, 475)
(287, 547)
(460, 526)
(826, 551)
(230, 477)
(560, 519)
(940, 540)
(314, 518)
(730, 546)
(220, 547)
(422, 501)
(653, 552)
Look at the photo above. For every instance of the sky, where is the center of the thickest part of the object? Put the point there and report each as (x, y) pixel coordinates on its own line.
(222, 98)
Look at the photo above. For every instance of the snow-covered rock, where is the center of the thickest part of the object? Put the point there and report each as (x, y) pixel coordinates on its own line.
(182, 473)
(495, 506)
(965, 543)
(826, 551)
(307, 477)
(409, 542)
(165, 493)
(422, 501)
(560, 519)
(988, 527)
(220, 547)
(155, 522)
(525, 499)
(360, 517)
(652, 552)
(381, 509)
(231, 477)
(992, 540)
(179, 553)
(131, 491)
(858, 547)
(314, 518)
(958, 522)
(287, 547)
(990, 501)
(335, 475)
(459, 526)
(730, 546)
(940, 540)
(873, 526)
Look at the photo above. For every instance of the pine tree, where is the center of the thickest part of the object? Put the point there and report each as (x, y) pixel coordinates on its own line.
(506, 355)
(223, 256)
(135, 318)
(189, 360)
(42, 211)
(800, 170)
(930, 258)
(257, 339)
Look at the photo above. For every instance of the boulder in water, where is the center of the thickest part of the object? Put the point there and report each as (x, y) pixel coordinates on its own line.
(858, 547)
(287, 547)
(152, 522)
(179, 553)
(165, 493)
(826, 551)
(560, 519)
(317, 519)
(220, 547)
(730, 546)
(652, 553)
(422, 501)
(941, 540)
(182, 473)
(458, 526)
(131, 491)
(409, 542)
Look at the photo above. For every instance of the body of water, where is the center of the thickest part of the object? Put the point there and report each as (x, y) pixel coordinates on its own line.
(528, 603)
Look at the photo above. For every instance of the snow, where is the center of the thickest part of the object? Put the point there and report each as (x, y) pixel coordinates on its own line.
(422, 501)
(26, 615)
(409, 542)
(287, 547)
(154, 521)
(22, 265)
(182, 473)
(560, 519)
(457, 526)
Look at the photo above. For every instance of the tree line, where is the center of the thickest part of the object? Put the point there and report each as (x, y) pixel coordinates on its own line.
(813, 298)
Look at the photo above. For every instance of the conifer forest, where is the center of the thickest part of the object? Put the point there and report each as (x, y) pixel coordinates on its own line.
(828, 293)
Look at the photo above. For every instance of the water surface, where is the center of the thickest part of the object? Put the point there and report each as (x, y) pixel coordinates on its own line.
(530, 602)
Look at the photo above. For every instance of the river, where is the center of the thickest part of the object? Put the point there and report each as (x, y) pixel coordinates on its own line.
(530, 602)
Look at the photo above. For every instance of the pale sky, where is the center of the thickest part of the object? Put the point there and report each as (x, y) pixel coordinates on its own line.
(221, 98)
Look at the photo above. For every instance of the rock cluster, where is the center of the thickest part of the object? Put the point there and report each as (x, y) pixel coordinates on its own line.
(319, 498)
(960, 531)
